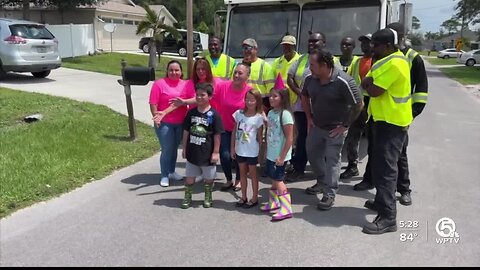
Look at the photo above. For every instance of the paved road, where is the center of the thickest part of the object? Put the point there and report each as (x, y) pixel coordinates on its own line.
(127, 219)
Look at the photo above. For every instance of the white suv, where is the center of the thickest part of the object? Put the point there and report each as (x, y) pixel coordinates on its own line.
(27, 47)
(447, 53)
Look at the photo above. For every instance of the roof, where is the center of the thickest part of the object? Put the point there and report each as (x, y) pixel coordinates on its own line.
(120, 8)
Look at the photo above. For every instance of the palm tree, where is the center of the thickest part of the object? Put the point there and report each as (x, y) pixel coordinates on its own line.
(156, 24)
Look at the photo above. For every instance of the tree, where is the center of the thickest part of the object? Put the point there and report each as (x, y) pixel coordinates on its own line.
(415, 23)
(60, 4)
(451, 25)
(468, 11)
(153, 22)
(202, 27)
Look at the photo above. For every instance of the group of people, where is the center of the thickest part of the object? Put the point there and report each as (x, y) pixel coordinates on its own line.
(242, 113)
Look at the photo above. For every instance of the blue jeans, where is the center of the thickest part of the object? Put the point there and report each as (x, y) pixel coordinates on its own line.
(226, 158)
(170, 136)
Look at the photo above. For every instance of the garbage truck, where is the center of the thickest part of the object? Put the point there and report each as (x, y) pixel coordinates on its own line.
(267, 21)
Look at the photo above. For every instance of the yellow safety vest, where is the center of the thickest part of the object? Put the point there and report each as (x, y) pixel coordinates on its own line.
(302, 64)
(394, 106)
(224, 68)
(354, 71)
(418, 96)
(261, 76)
(281, 65)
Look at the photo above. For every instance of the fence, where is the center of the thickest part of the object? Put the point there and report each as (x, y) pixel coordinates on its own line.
(74, 39)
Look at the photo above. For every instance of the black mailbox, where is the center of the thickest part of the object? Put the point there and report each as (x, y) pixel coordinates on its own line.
(138, 75)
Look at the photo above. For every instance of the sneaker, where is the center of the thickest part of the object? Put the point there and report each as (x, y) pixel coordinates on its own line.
(175, 176)
(164, 182)
(326, 203)
(405, 199)
(364, 185)
(370, 204)
(380, 225)
(295, 175)
(350, 172)
(315, 189)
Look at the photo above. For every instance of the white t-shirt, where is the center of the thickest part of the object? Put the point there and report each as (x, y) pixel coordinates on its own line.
(246, 144)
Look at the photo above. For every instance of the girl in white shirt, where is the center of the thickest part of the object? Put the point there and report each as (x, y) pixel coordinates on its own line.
(245, 144)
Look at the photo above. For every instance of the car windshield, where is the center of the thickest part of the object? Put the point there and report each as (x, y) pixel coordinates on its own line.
(30, 31)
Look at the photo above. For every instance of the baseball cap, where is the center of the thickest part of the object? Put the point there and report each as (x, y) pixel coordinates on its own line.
(250, 42)
(290, 40)
(367, 36)
(385, 36)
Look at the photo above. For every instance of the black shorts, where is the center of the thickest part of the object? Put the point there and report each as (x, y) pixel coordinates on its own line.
(248, 160)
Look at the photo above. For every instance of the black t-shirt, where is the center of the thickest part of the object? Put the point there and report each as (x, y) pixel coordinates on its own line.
(201, 128)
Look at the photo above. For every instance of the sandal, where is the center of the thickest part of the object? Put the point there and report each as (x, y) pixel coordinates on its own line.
(250, 204)
(237, 186)
(241, 203)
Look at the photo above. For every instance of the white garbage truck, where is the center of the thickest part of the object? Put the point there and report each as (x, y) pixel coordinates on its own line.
(268, 21)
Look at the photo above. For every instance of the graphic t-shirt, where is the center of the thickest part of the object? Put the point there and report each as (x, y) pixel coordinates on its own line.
(275, 137)
(201, 127)
(246, 144)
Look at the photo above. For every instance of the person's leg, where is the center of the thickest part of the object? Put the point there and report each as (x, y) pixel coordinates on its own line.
(178, 133)
(273, 201)
(388, 143)
(333, 151)
(367, 181)
(352, 143)
(316, 157)
(243, 182)
(226, 160)
(252, 168)
(166, 137)
(300, 159)
(208, 173)
(191, 171)
(403, 181)
(283, 196)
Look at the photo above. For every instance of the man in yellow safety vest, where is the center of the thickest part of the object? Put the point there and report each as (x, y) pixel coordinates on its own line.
(222, 65)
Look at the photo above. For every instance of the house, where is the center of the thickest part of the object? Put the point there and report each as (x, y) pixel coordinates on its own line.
(449, 41)
(123, 13)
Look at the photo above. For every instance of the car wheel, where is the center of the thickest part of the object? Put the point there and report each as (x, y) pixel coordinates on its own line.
(446, 57)
(182, 52)
(41, 74)
(145, 48)
(470, 62)
(3, 74)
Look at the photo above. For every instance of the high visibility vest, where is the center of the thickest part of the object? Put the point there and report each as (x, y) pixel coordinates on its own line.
(281, 65)
(261, 76)
(302, 64)
(354, 71)
(224, 68)
(394, 106)
(419, 96)
(336, 61)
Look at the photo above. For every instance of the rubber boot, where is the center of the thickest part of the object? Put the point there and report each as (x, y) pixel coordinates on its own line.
(187, 201)
(207, 203)
(285, 208)
(273, 202)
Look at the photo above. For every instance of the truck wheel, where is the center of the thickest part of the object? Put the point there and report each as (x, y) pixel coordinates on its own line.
(145, 48)
(41, 74)
(182, 52)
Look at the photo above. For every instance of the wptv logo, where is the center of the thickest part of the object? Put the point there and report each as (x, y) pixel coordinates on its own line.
(447, 231)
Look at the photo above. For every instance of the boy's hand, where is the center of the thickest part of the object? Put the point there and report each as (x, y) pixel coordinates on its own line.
(215, 157)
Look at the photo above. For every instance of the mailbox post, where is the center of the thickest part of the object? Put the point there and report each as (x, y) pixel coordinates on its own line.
(133, 76)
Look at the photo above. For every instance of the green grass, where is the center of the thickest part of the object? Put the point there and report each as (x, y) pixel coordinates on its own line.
(441, 61)
(425, 53)
(464, 75)
(109, 63)
(75, 143)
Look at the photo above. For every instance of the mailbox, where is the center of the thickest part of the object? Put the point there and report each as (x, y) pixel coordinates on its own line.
(138, 75)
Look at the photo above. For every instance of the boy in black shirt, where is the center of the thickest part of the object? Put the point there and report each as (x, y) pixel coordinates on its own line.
(202, 128)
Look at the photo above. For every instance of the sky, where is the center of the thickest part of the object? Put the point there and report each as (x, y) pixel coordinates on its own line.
(432, 13)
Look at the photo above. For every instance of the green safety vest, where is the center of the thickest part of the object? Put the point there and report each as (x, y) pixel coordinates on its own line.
(281, 65)
(418, 96)
(261, 76)
(224, 68)
(394, 106)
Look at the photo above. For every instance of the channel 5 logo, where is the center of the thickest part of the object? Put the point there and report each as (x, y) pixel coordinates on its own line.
(447, 231)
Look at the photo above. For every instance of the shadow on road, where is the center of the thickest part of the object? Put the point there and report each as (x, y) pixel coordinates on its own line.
(23, 78)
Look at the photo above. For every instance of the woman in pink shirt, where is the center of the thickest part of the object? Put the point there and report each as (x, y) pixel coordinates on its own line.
(168, 127)
(231, 97)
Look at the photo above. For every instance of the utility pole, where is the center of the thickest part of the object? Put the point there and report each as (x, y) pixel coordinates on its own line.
(189, 37)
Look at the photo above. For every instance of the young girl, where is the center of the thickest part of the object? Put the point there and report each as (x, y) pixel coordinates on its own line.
(245, 144)
(279, 150)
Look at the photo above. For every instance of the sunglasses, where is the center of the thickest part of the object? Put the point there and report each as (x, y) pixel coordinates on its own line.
(315, 40)
(247, 48)
(347, 44)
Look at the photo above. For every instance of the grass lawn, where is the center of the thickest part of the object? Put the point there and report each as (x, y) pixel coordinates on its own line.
(109, 63)
(464, 75)
(441, 61)
(75, 143)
